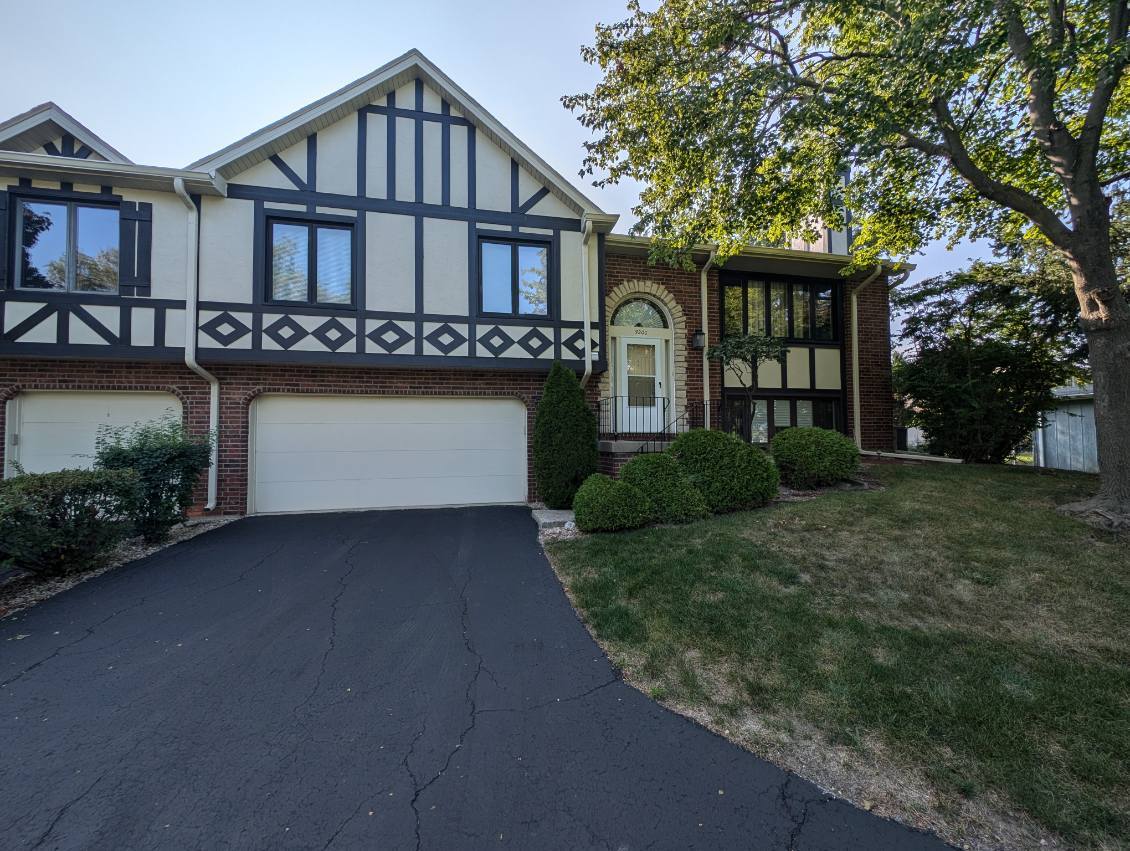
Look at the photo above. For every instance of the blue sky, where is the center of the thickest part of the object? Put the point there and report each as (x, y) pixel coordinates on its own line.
(167, 83)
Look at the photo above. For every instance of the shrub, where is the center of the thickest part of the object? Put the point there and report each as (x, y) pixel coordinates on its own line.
(978, 400)
(729, 473)
(673, 499)
(603, 504)
(58, 523)
(564, 444)
(168, 463)
(810, 457)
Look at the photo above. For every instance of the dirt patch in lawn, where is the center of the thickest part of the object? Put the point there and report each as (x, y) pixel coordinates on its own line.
(19, 590)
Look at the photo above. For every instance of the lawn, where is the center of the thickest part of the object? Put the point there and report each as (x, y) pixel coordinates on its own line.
(945, 648)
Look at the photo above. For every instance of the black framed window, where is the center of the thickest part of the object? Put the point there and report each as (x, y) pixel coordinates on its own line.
(772, 414)
(797, 310)
(310, 262)
(67, 246)
(514, 277)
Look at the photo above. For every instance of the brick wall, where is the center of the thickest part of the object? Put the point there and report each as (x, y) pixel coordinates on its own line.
(239, 385)
(874, 333)
(684, 287)
(876, 392)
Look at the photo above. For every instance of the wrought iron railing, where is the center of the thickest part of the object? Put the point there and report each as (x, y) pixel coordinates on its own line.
(640, 417)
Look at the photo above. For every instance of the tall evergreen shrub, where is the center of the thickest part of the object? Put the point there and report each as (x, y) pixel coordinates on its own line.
(565, 433)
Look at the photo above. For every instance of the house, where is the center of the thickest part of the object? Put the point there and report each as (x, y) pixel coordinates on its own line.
(362, 299)
(1066, 439)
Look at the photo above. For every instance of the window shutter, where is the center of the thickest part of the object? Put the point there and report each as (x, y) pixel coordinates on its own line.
(143, 271)
(135, 248)
(4, 253)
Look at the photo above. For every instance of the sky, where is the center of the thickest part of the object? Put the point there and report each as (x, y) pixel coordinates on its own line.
(169, 82)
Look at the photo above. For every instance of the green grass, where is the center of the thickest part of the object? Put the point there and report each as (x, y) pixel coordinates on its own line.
(952, 617)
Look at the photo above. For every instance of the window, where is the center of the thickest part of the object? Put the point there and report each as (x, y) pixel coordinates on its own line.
(514, 278)
(310, 262)
(639, 313)
(797, 310)
(66, 245)
(823, 325)
(773, 415)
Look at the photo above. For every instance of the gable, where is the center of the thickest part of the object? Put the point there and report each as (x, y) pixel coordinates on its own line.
(47, 129)
(409, 145)
(394, 86)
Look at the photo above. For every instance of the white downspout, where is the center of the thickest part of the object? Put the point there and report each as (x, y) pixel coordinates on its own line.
(703, 295)
(192, 285)
(585, 235)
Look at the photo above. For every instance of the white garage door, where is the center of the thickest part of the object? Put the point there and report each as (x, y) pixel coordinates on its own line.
(323, 453)
(55, 431)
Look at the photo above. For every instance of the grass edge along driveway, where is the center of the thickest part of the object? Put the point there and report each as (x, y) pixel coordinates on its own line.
(947, 649)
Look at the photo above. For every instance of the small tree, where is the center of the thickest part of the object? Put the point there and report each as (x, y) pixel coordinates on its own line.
(742, 356)
(565, 431)
(978, 400)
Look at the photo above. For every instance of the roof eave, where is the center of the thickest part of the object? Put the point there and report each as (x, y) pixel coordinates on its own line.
(51, 112)
(126, 175)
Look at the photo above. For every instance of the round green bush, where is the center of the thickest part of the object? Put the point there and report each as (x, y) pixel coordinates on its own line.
(726, 470)
(810, 457)
(658, 476)
(603, 504)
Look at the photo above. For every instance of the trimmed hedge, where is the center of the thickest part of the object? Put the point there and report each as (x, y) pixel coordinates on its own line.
(810, 457)
(564, 442)
(673, 499)
(729, 473)
(168, 463)
(603, 504)
(58, 523)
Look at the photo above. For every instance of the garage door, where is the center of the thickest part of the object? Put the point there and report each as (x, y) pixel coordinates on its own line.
(55, 431)
(324, 453)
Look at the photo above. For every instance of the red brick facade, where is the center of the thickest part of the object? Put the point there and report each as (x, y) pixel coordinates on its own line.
(239, 385)
(875, 388)
(874, 333)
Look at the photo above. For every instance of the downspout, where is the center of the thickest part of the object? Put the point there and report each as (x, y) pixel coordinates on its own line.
(856, 402)
(703, 295)
(586, 234)
(192, 286)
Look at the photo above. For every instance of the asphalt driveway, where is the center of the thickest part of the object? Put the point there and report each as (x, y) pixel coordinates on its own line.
(382, 680)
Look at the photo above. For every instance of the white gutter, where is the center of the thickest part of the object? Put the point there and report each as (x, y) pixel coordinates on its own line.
(703, 295)
(586, 233)
(192, 286)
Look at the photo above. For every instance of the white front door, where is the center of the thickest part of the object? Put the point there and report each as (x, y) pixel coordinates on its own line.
(642, 396)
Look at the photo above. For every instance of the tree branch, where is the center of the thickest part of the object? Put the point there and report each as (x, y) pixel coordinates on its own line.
(1060, 147)
(953, 148)
(1106, 83)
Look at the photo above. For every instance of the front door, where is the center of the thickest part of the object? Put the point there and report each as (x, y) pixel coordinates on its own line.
(642, 401)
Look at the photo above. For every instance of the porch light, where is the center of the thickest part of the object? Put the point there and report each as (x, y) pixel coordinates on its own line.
(698, 340)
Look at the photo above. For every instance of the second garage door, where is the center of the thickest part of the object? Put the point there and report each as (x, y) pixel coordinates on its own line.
(325, 453)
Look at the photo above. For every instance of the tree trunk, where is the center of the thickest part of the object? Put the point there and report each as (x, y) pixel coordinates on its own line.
(1105, 317)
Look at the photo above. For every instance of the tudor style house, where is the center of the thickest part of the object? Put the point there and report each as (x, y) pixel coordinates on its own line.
(362, 299)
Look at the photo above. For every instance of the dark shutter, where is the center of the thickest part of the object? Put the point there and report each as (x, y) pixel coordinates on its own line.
(5, 260)
(135, 248)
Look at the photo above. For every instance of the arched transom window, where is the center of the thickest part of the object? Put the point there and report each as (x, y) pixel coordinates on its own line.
(639, 313)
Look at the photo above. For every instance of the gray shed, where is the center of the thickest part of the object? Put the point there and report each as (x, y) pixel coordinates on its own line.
(1066, 441)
